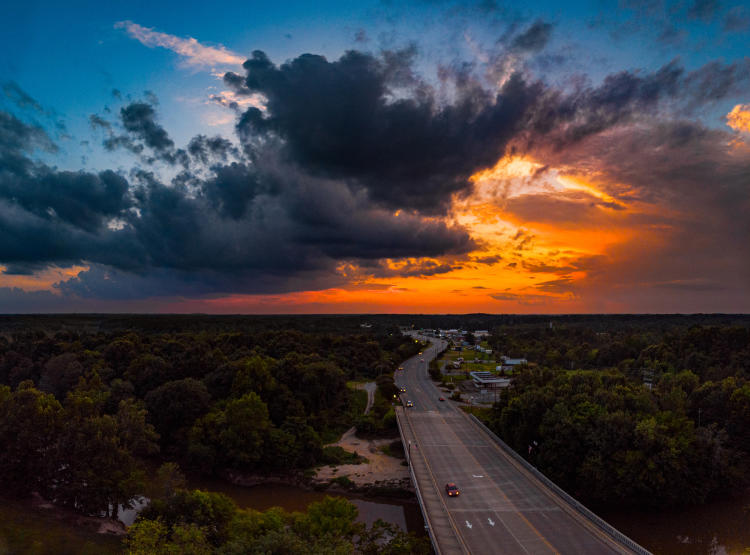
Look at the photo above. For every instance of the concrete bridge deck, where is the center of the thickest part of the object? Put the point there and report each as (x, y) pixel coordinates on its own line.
(504, 506)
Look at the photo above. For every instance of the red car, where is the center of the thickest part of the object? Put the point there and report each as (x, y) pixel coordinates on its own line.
(441, 399)
(452, 489)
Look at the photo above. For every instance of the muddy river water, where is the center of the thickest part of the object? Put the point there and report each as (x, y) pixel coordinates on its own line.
(716, 528)
(404, 514)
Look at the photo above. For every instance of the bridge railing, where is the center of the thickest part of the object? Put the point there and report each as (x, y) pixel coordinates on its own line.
(607, 528)
(422, 506)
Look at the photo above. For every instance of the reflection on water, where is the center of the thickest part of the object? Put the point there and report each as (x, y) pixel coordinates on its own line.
(714, 528)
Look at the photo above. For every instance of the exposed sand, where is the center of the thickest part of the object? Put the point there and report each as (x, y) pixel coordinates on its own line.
(379, 468)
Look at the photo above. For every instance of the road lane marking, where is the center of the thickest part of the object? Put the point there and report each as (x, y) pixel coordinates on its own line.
(477, 476)
(502, 493)
(491, 522)
(468, 525)
(560, 503)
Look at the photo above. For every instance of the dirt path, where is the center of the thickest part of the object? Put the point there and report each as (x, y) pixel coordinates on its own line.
(370, 387)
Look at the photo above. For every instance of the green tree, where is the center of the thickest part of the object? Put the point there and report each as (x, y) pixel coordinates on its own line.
(233, 436)
(30, 422)
(97, 469)
(175, 405)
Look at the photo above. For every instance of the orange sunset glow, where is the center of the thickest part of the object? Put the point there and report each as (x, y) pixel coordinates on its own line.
(522, 265)
(463, 168)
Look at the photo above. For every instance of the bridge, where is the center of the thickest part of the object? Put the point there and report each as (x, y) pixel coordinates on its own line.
(505, 505)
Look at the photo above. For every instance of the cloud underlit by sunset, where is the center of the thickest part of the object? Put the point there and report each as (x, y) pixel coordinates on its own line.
(426, 157)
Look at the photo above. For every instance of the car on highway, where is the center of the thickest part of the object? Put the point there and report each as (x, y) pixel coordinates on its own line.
(441, 399)
(409, 403)
(400, 367)
(402, 390)
(452, 489)
(421, 360)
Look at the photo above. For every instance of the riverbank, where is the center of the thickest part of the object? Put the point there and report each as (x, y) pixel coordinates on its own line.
(33, 526)
(379, 470)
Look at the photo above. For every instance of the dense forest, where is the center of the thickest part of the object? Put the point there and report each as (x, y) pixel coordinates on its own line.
(639, 410)
(84, 404)
(654, 416)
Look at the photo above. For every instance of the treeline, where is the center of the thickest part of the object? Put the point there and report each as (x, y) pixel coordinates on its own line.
(79, 411)
(646, 419)
(199, 522)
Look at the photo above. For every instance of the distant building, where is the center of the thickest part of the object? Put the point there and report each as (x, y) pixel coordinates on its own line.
(488, 380)
(511, 363)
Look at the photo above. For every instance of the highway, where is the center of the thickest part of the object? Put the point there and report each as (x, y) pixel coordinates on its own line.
(502, 507)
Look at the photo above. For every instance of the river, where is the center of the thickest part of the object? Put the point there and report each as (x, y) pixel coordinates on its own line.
(715, 528)
(403, 514)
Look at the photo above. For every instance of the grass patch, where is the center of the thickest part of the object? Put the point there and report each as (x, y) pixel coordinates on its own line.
(24, 529)
(478, 367)
(454, 378)
(343, 481)
(394, 449)
(357, 406)
(333, 454)
(359, 402)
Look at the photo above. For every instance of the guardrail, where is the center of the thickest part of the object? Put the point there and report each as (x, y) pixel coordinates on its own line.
(422, 506)
(607, 528)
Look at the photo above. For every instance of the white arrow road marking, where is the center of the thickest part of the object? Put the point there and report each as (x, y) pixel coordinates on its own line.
(477, 476)
(468, 525)
(491, 522)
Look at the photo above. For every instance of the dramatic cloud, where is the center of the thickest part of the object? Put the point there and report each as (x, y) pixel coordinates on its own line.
(193, 53)
(372, 121)
(361, 174)
(224, 223)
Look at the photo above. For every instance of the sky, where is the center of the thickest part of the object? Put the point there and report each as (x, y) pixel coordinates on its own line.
(375, 157)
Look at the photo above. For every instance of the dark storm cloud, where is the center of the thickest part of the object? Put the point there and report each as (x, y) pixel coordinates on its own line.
(534, 39)
(142, 133)
(208, 150)
(99, 122)
(349, 164)
(35, 192)
(139, 119)
(222, 100)
(489, 260)
(19, 97)
(622, 97)
(17, 137)
(703, 10)
(423, 268)
(84, 200)
(737, 20)
(226, 226)
(369, 120)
